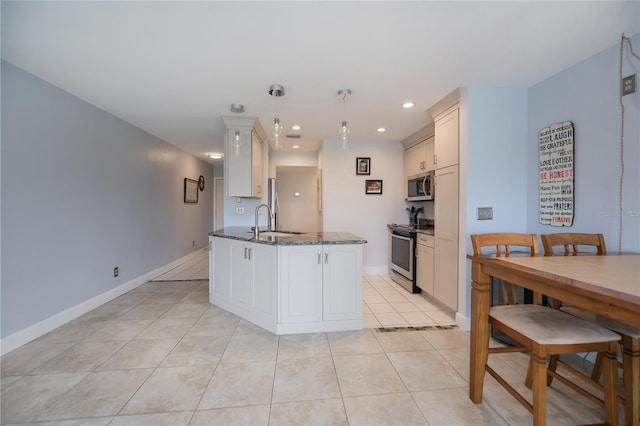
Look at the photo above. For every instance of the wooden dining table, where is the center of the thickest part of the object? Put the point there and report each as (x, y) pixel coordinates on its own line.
(607, 285)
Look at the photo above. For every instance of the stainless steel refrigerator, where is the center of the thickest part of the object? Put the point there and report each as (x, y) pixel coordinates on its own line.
(272, 201)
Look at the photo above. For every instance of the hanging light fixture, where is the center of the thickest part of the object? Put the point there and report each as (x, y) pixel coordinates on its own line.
(276, 90)
(344, 95)
(236, 143)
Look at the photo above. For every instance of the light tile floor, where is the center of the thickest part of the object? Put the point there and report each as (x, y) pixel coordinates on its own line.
(196, 268)
(161, 355)
(386, 304)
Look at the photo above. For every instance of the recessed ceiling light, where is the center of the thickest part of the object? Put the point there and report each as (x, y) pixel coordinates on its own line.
(215, 155)
(408, 105)
(295, 146)
(296, 127)
(382, 129)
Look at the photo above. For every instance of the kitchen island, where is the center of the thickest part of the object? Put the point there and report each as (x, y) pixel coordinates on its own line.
(288, 283)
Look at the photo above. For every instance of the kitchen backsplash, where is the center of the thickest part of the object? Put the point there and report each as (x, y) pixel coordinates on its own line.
(427, 209)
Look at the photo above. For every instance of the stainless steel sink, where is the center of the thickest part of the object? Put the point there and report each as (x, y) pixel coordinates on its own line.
(277, 234)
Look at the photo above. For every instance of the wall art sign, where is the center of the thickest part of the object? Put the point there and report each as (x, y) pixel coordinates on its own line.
(363, 165)
(373, 186)
(555, 149)
(190, 190)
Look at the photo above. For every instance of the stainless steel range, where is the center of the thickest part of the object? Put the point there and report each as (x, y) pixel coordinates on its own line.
(402, 255)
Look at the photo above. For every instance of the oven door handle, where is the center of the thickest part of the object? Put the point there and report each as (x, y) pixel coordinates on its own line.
(401, 237)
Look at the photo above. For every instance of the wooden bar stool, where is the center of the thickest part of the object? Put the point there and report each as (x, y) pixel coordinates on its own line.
(630, 343)
(544, 332)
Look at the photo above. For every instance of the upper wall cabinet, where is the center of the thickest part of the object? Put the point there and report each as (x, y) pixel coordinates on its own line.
(447, 134)
(243, 156)
(418, 152)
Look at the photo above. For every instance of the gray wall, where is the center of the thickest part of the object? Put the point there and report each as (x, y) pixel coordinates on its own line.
(82, 192)
(587, 94)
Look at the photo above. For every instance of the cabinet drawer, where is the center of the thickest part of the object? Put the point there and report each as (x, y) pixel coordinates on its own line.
(425, 240)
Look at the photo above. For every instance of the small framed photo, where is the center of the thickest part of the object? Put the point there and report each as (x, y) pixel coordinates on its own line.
(190, 191)
(363, 166)
(373, 186)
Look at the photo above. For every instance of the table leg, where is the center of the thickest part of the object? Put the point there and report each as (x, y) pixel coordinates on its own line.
(479, 345)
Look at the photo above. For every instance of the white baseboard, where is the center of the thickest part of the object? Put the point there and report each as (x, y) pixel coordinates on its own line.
(375, 270)
(463, 322)
(41, 328)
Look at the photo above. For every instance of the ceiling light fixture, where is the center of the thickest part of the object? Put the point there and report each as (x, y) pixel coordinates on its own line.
(344, 96)
(276, 90)
(381, 129)
(237, 108)
(295, 146)
(296, 127)
(236, 143)
(408, 105)
(215, 155)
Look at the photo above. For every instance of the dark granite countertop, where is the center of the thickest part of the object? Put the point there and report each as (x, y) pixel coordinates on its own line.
(423, 228)
(429, 230)
(246, 234)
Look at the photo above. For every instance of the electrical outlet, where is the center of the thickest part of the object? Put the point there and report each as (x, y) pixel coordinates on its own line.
(629, 85)
(116, 272)
(484, 213)
(239, 210)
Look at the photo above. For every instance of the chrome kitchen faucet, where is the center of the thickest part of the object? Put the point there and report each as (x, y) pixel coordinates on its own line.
(255, 229)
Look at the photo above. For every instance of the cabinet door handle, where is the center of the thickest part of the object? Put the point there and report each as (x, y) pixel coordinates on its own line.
(245, 252)
(326, 257)
(319, 257)
(250, 253)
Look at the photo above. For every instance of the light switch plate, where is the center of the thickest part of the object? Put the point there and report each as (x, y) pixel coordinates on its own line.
(484, 213)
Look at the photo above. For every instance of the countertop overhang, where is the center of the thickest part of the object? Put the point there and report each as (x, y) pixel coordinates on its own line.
(312, 238)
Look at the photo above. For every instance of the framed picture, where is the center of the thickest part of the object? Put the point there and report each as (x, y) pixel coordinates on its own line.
(190, 191)
(373, 186)
(363, 165)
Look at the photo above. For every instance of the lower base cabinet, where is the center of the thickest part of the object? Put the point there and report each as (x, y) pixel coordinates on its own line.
(320, 283)
(425, 263)
(243, 279)
(288, 288)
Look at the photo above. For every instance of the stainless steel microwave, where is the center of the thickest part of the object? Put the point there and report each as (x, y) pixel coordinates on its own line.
(421, 187)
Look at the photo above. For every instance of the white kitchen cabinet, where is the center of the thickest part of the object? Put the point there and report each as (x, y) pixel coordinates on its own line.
(425, 263)
(419, 149)
(415, 159)
(342, 282)
(429, 148)
(243, 279)
(300, 292)
(243, 165)
(446, 138)
(320, 283)
(446, 237)
(419, 158)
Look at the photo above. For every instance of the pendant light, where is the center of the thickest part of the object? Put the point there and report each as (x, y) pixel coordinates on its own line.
(236, 143)
(276, 90)
(344, 95)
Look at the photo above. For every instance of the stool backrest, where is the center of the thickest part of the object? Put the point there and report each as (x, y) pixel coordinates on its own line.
(570, 241)
(503, 241)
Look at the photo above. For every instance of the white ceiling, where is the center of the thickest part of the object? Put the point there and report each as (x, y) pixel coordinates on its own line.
(173, 68)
